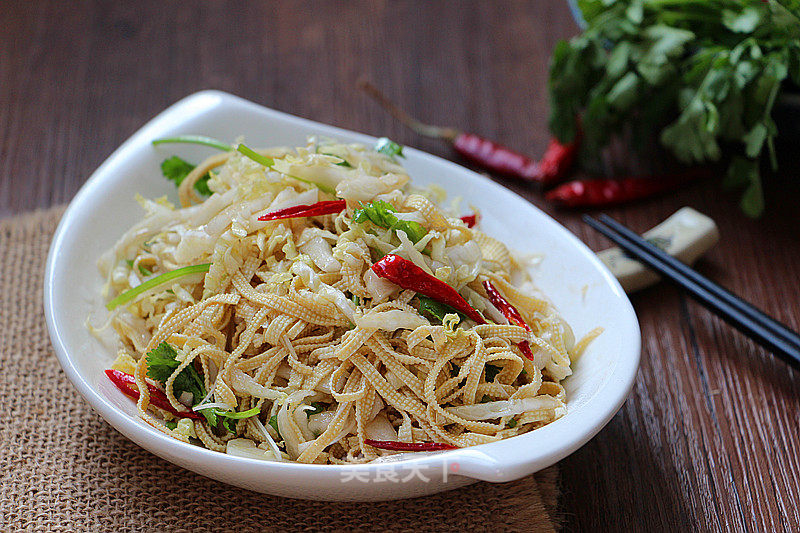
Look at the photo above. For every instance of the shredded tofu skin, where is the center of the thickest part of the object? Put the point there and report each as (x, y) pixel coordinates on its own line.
(290, 319)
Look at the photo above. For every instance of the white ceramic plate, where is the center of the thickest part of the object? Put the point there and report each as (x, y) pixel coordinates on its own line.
(571, 275)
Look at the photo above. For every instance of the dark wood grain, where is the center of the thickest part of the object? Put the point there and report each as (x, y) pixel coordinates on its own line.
(708, 439)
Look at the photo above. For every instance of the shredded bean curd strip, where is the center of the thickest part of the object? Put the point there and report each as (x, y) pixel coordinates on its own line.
(309, 355)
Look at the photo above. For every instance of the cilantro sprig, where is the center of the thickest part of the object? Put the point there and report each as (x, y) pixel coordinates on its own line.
(176, 169)
(703, 75)
(162, 362)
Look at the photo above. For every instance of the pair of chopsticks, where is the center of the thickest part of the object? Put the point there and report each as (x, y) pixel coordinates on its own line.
(751, 321)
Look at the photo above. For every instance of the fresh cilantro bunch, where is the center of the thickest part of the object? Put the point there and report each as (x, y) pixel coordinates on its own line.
(701, 75)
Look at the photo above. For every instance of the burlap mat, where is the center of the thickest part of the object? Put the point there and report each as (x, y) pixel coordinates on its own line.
(64, 468)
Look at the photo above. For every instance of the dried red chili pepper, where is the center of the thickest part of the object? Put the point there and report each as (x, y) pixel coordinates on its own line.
(555, 164)
(557, 160)
(511, 313)
(320, 208)
(470, 220)
(603, 192)
(495, 157)
(409, 446)
(407, 275)
(127, 384)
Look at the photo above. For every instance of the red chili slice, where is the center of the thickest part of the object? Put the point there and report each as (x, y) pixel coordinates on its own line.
(409, 446)
(127, 384)
(511, 313)
(470, 220)
(407, 275)
(311, 210)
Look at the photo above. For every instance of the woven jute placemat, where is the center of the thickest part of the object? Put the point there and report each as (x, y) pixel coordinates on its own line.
(64, 468)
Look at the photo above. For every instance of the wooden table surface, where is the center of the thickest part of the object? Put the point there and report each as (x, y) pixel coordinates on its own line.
(708, 438)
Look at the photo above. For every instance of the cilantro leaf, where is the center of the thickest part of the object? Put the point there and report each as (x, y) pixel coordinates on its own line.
(176, 169)
(752, 202)
(382, 215)
(623, 93)
(210, 416)
(228, 418)
(387, 146)
(744, 173)
(377, 212)
(229, 424)
(162, 363)
(273, 421)
(744, 21)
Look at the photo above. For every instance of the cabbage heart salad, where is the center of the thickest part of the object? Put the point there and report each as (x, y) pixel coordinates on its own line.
(310, 305)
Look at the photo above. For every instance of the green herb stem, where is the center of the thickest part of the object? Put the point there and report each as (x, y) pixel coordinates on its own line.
(151, 283)
(268, 162)
(238, 416)
(195, 139)
(255, 156)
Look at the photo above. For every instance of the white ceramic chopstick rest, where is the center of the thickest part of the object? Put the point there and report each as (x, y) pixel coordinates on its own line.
(686, 235)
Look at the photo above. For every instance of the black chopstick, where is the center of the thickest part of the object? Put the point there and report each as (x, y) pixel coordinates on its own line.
(722, 293)
(763, 329)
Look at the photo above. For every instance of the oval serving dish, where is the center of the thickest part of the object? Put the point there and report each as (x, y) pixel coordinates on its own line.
(586, 294)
